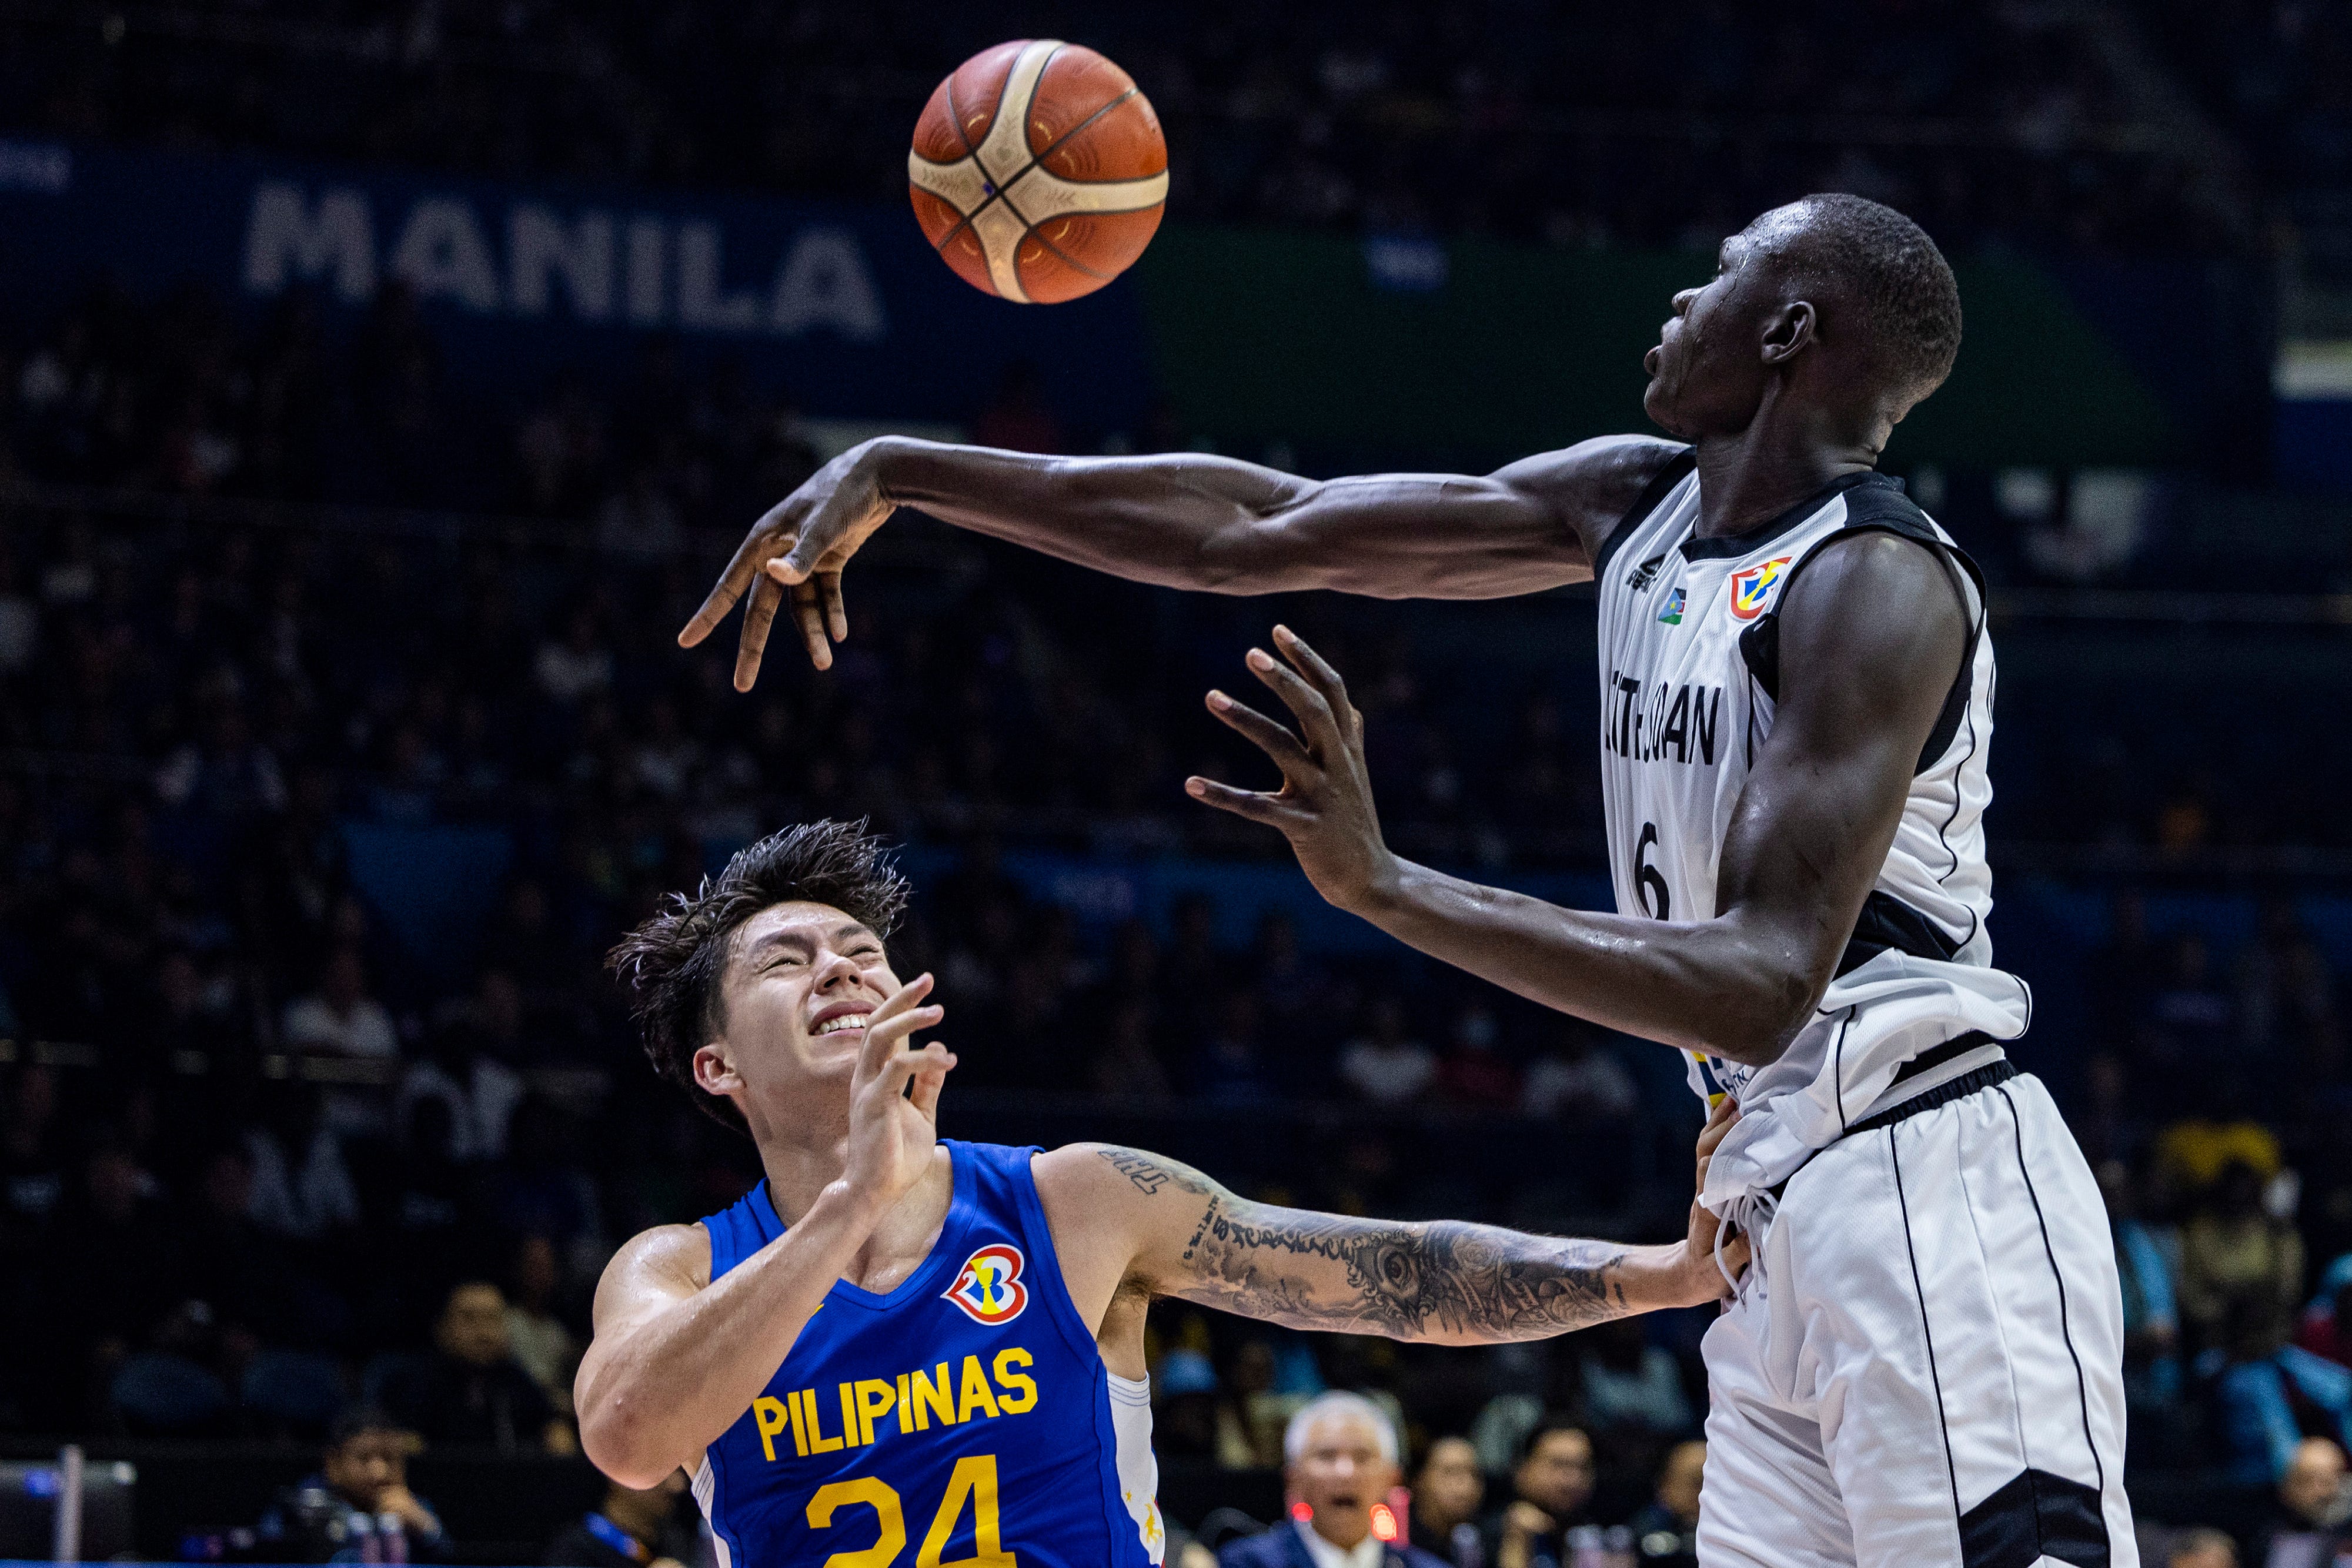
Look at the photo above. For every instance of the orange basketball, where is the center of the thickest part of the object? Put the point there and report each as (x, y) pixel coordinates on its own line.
(1038, 171)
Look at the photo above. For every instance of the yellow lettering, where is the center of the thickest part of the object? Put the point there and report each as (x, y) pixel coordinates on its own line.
(770, 1415)
(818, 1443)
(975, 1390)
(933, 1398)
(875, 1398)
(974, 1476)
(905, 1421)
(849, 1416)
(1020, 1389)
(870, 1490)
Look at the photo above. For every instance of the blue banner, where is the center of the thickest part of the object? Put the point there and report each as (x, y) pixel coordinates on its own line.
(846, 304)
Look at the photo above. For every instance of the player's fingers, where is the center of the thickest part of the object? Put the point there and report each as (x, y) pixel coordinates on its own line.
(1247, 803)
(1314, 666)
(723, 595)
(1266, 735)
(879, 1040)
(757, 615)
(1720, 1118)
(836, 612)
(902, 1067)
(808, 614)
(1314, 713)
(929, 1081)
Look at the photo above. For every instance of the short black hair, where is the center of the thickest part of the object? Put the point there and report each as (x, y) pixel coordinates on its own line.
(671, 966)
(1544, 1428)
(1894, 271)
(357, 1421)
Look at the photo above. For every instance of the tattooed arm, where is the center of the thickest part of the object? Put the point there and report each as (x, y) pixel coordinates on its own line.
(1441, 1281)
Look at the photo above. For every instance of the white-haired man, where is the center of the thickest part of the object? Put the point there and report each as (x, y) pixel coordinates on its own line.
(1339, 1463)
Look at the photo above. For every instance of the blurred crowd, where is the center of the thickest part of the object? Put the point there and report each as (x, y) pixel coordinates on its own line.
(1573, 126)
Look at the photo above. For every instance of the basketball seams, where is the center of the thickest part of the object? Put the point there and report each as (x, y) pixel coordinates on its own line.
(966, 188)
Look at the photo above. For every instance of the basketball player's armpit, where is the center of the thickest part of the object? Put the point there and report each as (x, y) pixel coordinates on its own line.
(1445, 1283)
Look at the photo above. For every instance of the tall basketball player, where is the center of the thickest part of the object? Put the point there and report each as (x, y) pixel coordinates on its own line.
(897, 1339)
(1924, 1366)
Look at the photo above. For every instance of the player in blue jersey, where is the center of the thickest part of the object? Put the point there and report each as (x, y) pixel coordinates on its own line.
(897, 1349)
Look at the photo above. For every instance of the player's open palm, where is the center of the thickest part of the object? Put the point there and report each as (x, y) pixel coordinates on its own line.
(893, 1129)
(1325, 805)
(796, 552)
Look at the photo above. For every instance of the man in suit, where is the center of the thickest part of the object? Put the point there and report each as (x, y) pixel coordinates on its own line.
(1340, 1465)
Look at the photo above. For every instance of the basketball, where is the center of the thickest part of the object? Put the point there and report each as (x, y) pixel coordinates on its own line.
(1038, 171)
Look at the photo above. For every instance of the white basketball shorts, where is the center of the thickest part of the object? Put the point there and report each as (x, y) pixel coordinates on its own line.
(1926, 1372)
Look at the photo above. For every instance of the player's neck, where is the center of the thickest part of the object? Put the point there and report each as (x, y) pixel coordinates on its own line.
(1787, 453)
(797, 1174)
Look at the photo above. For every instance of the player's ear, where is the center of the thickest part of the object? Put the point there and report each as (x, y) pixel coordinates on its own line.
(1787, 333)
(712, 1072)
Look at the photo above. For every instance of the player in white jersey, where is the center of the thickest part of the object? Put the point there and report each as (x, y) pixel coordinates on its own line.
(1923, 1367)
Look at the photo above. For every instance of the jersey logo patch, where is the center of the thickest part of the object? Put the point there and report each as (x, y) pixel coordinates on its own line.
(989, 1288)
(1751, 588)
(1640, 579)
(1673, 613)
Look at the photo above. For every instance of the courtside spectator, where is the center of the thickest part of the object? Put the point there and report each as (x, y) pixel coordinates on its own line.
(631, 1529)
(1552, 1486)
(1340, 1465)
(1665, 1533)
(469, 1390)
(359, 1495)
(2308, 1526)
(2202, 1547)
(1446, 1496)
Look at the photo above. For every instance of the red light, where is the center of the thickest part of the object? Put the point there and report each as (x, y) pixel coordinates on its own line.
(1384, 1522)
(1302, 1513)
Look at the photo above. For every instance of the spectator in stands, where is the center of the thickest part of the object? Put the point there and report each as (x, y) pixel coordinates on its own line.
(2202, 1547)
(631, 1529)
(2307, 1527)
(301, 1186)
(2241, 1267)
(1630, 1382)
(460, 1070)
(1340, 1458)
(469, 1390)
(1665, 1533)
(1578, 1081)
(340, 1017)
(335, 1515)
(2325, 1327)
(542, 1342)
(1552, 1490)
(32, 1149)
(1473, 1074)
(1384, 1064)
(2144, 1260)
(1446, 1495)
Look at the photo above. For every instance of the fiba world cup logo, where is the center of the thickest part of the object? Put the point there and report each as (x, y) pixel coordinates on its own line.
(989, 1287)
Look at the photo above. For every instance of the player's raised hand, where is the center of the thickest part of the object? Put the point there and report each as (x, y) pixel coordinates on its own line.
(1325, 805)
(796, 551)
(891, 1131)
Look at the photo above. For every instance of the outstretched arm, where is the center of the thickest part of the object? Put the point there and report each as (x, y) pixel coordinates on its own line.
(1189, 520)
(1871, 639)
(1440, 1282)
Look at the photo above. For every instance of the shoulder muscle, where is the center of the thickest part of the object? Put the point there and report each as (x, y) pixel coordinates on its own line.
(1591, 485)
(654, 1268)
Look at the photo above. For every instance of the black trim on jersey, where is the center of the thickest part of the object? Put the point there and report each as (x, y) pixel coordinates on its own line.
(1887, 922)
(1727, 547)
(1663, 481)
(1880, 507)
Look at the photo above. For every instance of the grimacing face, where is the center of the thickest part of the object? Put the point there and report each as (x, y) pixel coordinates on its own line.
(1339, 1475)
(799, 983)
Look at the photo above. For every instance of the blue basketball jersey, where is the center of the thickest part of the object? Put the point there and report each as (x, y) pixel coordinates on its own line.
(964, 1420)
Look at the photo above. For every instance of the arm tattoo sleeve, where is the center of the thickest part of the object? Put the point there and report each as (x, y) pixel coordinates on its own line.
(1403, 1281)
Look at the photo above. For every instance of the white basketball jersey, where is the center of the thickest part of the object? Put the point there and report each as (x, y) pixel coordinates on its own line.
(1689, 670)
